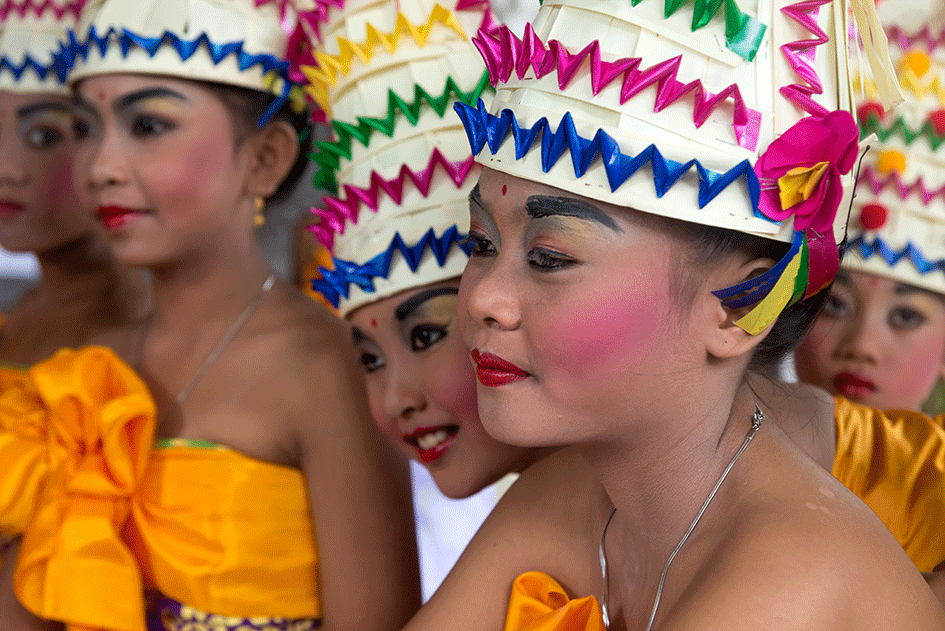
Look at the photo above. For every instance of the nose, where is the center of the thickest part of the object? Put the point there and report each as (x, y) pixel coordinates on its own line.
(488, 295)
(106, 165)
(12, 170)
(862, 339)
(403, 393)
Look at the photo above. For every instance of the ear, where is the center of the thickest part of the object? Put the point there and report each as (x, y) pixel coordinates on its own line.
(275, 148)
(726, 339)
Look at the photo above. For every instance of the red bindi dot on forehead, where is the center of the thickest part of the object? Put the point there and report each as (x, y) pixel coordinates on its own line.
(101, 96)
(374, 323)
(872, 281)
(505, 189)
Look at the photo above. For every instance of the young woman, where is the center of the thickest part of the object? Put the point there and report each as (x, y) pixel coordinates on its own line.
(593, 311)
(880, 339)
(421, 394)
(403, 315)
(83, 290)
(263, 438)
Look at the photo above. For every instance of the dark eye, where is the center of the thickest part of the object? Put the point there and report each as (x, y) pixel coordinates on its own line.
(425, 336)
(144, 126)
(372, 362)
(906, 319)
(544, 260)
(836, 307)
(43, 137)
(481, 246)
(81, 129)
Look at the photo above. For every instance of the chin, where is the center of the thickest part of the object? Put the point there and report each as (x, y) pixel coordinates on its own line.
(458, 485)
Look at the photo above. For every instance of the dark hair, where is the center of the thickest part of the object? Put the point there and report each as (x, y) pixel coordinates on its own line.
(247, 106)
(709, 244)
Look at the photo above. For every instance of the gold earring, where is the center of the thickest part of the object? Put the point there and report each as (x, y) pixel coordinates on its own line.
(258, 218)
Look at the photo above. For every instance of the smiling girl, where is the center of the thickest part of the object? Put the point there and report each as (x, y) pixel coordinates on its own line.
(209, 479)
(393, 227)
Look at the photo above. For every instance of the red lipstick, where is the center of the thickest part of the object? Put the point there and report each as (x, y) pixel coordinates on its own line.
(493, 371)
(114, 216)
(9, 208)
(432, 442)
(853, 386)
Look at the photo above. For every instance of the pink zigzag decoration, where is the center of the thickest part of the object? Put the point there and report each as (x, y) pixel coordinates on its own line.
(801, 54)
(338, 211)
(38, 8)
(878, 182)
(504, 53)
(926, 36)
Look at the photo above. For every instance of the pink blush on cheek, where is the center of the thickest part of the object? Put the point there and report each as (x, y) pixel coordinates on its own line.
(608, 332)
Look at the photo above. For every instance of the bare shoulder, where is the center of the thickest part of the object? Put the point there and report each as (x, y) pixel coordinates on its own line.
(549, 521)
(805, 413)
(307, 343)
(807, 556)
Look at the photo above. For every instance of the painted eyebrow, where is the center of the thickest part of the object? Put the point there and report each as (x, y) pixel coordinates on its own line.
(81, 104)
(29, 110)
(905, 289)
(475, 197)
(409, 305)
(539, 206)
(147, 93)
(357, 335)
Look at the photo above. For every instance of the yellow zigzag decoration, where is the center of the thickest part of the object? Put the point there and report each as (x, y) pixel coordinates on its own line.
(324, 75)
(910, 82)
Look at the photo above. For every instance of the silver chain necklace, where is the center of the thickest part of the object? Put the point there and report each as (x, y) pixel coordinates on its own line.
(756, 420)
(215, 352)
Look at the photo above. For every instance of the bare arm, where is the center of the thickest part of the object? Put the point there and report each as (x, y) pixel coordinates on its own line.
(548, 521)
(361, 502)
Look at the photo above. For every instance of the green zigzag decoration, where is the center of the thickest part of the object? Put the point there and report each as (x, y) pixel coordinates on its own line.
(873, 125)
(328, 154)
(743, 33)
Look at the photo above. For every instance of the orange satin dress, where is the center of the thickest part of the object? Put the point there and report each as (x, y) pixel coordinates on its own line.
(895, 462)
(11, 376)
(106, 518)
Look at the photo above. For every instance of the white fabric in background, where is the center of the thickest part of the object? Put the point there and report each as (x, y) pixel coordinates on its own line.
(18, 265)
(445, 526)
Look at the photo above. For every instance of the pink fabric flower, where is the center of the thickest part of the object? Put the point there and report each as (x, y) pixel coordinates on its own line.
(803, 166)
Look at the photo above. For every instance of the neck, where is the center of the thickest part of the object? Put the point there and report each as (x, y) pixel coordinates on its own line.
(658, 474)
(76, 263)
(216, 285)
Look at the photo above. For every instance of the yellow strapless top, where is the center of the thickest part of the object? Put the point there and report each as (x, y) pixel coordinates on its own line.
(895, 462)
(539, 603)
(103, 515)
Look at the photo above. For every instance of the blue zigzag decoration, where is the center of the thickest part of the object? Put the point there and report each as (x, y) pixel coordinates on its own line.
(484, 128)
(881, 248)
(186, 49)
(57, 67)
(336, 284)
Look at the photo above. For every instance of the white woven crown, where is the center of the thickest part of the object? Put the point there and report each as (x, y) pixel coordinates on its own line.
(897, 224)
(248, 41)
(31, 56)
(397, 188)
